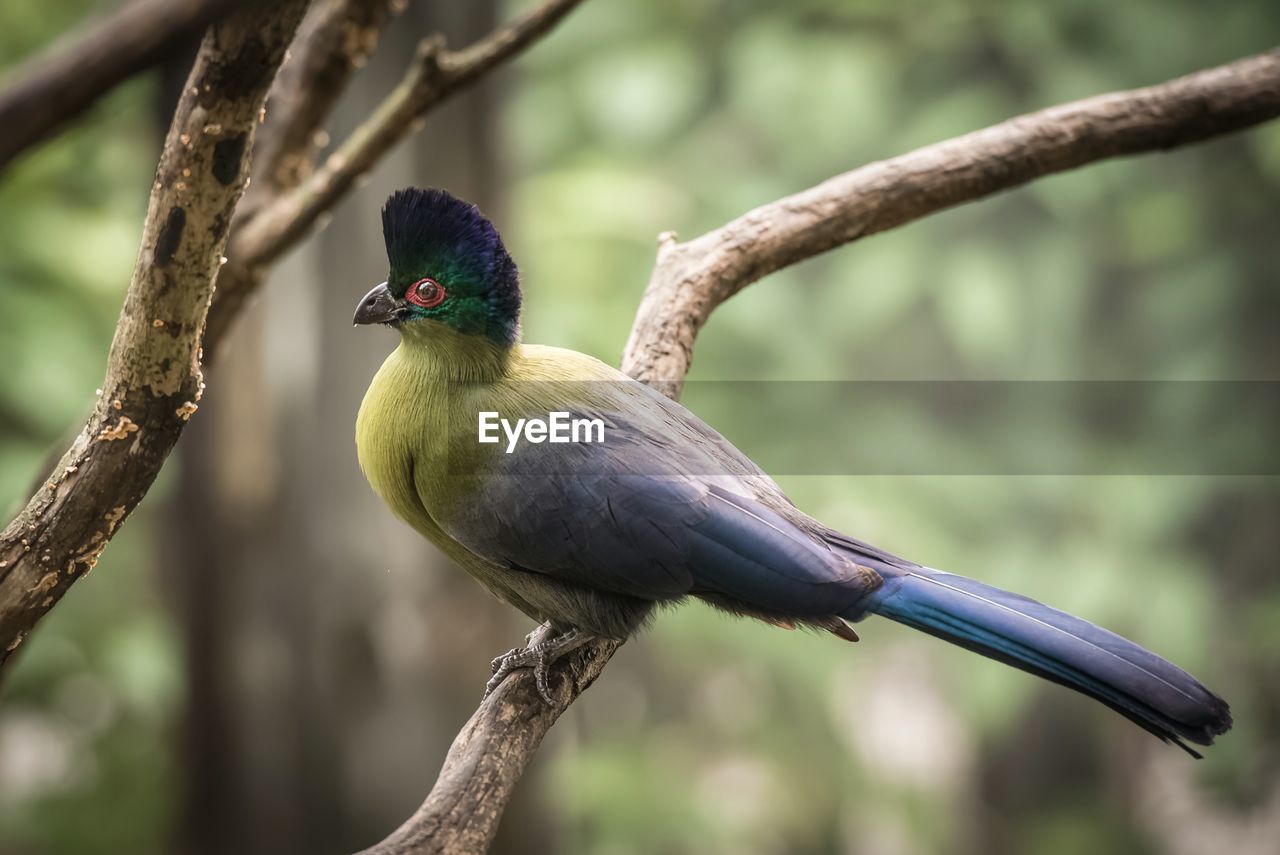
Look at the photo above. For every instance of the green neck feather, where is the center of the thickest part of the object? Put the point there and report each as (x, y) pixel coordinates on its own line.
(445, 355)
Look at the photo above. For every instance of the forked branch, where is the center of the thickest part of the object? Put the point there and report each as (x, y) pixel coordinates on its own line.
(691, 279)
(153, 382)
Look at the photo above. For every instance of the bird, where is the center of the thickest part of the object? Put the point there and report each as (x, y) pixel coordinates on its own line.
(594, 537)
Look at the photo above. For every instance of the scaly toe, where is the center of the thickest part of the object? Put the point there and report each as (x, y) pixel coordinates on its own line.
(496, 665)
(496, 680)
(541, 670)
(538, 657)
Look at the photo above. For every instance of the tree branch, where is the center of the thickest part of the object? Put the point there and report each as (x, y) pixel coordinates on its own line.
(335, 39)
(434, 76)
(64, 81)
(691, 279)
(153, 376)
(489, 755)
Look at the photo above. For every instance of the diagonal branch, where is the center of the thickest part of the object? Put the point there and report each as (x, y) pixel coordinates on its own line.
(153, 376)
(488, 757)
(435, 75)
(334, 40)
(691, 279)
(61, 83)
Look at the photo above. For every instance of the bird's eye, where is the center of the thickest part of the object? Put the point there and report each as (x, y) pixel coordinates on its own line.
(427, 293)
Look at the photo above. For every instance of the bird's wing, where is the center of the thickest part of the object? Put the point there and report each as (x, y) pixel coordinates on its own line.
(664, 506)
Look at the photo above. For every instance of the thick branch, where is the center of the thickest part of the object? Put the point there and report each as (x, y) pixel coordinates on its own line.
(153, 376)
(691, 279)
(435, 75)
(60, 84)
(334, 41)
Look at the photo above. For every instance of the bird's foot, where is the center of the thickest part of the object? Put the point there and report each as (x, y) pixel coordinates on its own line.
(537, 655)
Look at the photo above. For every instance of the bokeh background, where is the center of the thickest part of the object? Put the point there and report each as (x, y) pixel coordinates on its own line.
(265, 661)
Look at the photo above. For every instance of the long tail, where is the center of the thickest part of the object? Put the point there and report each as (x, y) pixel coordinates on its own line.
(1021, 632)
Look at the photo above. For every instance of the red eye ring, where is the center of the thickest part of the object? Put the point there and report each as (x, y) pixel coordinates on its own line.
(427, 293)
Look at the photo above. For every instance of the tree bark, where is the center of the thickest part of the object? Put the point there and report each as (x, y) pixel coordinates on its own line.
(153, 382)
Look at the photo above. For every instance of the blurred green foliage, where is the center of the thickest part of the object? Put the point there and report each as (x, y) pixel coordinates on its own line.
(642, 117)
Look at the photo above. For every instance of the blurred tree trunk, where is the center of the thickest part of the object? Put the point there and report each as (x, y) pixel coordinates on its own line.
(332, 655)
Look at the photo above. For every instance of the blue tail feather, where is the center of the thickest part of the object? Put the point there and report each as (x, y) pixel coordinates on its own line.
(1033, 637)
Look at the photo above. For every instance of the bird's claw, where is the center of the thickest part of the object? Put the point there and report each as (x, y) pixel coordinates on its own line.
(497, 663)
(522, 657)
(537, 656)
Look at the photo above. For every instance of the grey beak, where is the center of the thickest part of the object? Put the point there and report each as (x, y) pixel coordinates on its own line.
(377, 307)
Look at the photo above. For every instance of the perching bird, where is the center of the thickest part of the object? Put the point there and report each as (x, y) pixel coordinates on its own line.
(593, 536)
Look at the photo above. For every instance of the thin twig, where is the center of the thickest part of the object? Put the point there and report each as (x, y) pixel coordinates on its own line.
(434, 75)
(691, 279)
(61, 83)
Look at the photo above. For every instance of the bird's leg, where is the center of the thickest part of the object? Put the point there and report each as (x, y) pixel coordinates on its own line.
(538, 655)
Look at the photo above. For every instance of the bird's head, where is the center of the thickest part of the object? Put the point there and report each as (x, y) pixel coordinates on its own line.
(448, 266)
